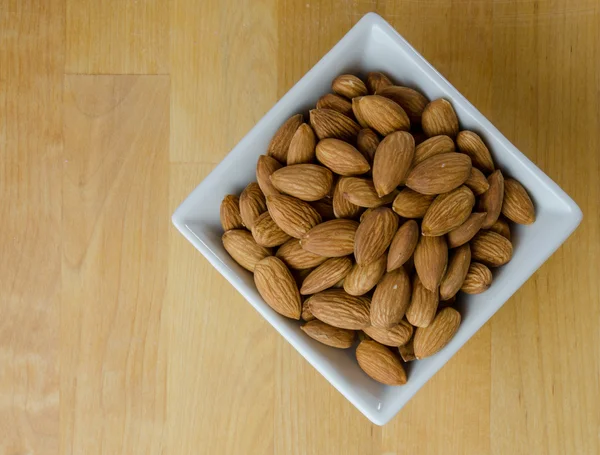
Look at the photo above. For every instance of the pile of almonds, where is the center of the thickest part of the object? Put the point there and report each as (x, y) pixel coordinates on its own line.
(371, 219)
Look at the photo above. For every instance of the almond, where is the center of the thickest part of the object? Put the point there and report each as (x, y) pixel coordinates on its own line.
(430, 340)
(302, 146)
(264, 168)
(411, 204)
(477, 182)
(458, 266)
(408, 99)
(230, 213)
(466, 231)
(339, 309)
(380, 114)
(377, 81)
(296, 257)
(471, 144)
(403, 245)
(266, 232)
(342, 207)
(333, 238)
(363, 278)
(423, 304)
(277, 287)
(374, 235)
(396, 335)
(439, 118)
(293, 216)
(244, 250)
(491, 200)
(501, 227)
(329, 335)
(278, 148)
(252, 204)
(390, 299)
(431, 259)
(367, 142)
(341, 157)
(448, 211)
(326, 275)
(440, 173)
(517, 205)
(379, 363)
(329, 123)
(349, 86)
(407, 352)
(308, 182)
(478, 279)
(392, 162)
(306, 314)
(336, 103)
(491, 248)
(435, 145)
(325, 208)
(362, 192)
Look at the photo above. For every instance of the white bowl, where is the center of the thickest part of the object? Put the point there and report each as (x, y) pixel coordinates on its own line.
(373, 45)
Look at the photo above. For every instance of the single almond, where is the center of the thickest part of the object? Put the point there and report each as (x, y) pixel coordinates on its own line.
(302, 146)
(491, 248)
(341, 157)
(230, 213)
(517, 205)
(491, 200)
(410, 204)
(266, 232)
(279, 145)
(458, 266)
(244, 250)
(431, 259)
(342, 207)
(308, 182)
(329, 123)
(265, 166)
(293, 216)
(379, 363)
(377, 81)
(390, 299)
(380, 114)
(339, 309)
(435, 145)
(296, 257)
(336, 103)
(448, 211)
(277, 287)
(329, 335)
(440, 173)
(252, 204)
(477, 182)
(423, 304)
(478, 279)
(403, 245)
(363, 278)
(367, 142)
(306, 314)
(410, 100)
(349, 86)
(466, 231)
(392, 162)
(374, 235)
(326, 275)
(439, 118)
(501, 227)
(333, 238)
(396, 335)
(430, 340)
(325, 208)
(407, 351)
(471, 144)
(362, 192)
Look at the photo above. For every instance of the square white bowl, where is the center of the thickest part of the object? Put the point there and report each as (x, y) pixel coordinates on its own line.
(373, 45)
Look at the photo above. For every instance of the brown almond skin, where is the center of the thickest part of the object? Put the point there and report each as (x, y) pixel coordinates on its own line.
(431, 259)
(377, 81)
(296, 257)
(491, 248)
(501, 227)
(325, 208)
(407, 351)
(293, 216)
(363, 278)
(349, 86)
(440, 173)
(410, 204)
(395, 336)
(423, 304)
(367, 142)
(302, 146)
(381, 114)
(471, 144)
(339, 309)
(458, 266)
(439, 118)
(230, 213)
(466, 231)
(477, 182)
(517, 205)
(448, 211)
(392, 162)
(403, 245)
(329, 123)
(307, 182)
(277, 287)
(435, 145)
(361, 192)
(342, 207)
(374, 235)
(300, 275)
(337, 103)
(306, 314)
(478, 279)
(379, 363)
(279, 145)
(390, 299)
(430, 340)
(412, 101)
(244, 250)
(326, 275)
(266, 232)
(329, 335)
(252, 204)
(333, 238)
(491, 201)
(265, 166)
(341, 157)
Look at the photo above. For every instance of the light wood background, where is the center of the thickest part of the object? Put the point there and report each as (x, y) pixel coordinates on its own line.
(117, 337)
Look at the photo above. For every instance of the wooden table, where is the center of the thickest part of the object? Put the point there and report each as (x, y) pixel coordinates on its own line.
(117, 337)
